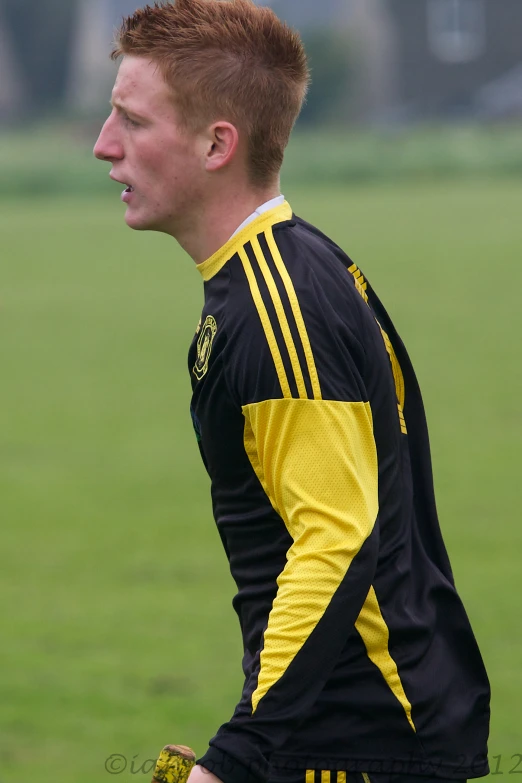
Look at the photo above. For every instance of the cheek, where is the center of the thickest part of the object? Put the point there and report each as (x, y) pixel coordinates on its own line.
(181, 170)
(155, 163)
(166, 169)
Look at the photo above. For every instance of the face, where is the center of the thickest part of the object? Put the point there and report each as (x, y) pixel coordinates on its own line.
(161, 166)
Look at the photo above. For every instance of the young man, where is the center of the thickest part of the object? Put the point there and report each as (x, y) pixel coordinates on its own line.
(359, 659)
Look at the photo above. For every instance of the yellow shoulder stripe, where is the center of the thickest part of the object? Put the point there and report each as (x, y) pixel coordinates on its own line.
(397, 372)
(361, 285)
(398, 378)
(283, 321)
(267, 326)
(296, 310)
(374, 632)
(282, 317)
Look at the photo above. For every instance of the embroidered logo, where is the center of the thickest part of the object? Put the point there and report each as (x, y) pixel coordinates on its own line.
(204, 346)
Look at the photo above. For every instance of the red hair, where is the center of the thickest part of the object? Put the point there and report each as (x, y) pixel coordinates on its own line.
(230, 60)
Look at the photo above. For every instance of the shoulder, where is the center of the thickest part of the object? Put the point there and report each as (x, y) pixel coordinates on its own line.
(292, 317)
(287, 259)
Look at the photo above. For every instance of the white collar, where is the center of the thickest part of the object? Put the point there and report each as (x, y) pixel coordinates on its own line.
(274, 202)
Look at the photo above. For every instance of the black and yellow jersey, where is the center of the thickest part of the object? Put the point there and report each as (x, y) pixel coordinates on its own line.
(357, 648)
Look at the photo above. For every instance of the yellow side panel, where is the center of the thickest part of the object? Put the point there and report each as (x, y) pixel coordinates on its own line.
(372, 627)
(360, 283)
(317, 462)
(310, 776)
(398, 377)
(396, 368)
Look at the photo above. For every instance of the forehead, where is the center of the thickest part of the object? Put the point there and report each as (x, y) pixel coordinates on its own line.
(140, 85)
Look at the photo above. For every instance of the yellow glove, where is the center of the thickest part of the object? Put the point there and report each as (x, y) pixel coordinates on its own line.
(174, 765)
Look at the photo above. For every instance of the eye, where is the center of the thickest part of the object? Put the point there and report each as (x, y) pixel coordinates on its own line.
(130, 122)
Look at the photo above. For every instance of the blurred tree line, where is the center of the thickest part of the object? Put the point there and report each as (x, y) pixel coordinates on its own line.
(334, 67)
(40, 34)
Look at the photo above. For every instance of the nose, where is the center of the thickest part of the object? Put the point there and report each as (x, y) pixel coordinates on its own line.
(108, 147)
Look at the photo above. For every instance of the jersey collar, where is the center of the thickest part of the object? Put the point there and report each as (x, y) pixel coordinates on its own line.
(212, 265)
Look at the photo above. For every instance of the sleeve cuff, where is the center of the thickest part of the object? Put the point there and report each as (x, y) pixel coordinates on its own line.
(229, 769)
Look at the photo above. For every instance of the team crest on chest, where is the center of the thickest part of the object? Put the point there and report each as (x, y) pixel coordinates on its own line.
(204, 346)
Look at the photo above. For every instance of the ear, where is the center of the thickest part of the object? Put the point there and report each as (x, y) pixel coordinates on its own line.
(224, 141)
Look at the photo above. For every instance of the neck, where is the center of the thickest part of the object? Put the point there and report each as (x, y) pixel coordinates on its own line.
(216, 221)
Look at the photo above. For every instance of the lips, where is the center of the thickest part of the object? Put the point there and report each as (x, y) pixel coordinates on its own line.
(127, 195)
(128, 188)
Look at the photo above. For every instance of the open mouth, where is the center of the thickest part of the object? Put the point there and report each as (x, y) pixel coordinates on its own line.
(125, 196)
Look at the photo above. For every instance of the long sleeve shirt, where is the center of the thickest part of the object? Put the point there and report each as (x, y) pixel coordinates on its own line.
(310, 422)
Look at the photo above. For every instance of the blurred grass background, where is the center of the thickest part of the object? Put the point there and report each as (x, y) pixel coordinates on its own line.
(118, 631)
(49, 159)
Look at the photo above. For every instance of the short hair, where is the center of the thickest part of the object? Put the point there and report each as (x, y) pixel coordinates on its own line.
(230, 60)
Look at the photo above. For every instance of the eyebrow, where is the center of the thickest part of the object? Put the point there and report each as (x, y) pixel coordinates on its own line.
(121, 107)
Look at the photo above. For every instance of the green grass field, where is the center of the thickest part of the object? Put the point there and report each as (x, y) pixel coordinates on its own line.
(118, 631)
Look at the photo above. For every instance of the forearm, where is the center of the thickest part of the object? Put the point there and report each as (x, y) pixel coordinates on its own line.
(202, 775)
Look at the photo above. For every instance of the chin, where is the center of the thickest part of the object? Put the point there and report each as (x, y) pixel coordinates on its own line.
(138, 223)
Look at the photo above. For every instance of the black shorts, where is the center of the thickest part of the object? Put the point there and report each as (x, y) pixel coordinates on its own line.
(327, 776)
